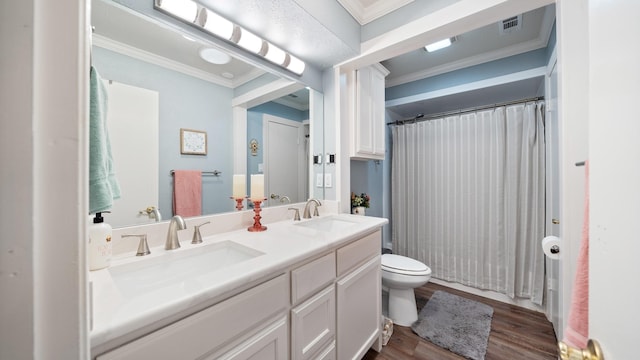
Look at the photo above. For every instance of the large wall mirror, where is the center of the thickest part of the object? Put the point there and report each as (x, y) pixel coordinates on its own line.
(159, 83)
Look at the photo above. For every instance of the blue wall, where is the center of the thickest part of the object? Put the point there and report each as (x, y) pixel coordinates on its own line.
(185, 102)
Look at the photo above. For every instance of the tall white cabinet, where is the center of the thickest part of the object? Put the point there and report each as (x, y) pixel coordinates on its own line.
(367, 112)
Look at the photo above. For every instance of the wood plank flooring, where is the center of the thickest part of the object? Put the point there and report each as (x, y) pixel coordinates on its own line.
(516, 333)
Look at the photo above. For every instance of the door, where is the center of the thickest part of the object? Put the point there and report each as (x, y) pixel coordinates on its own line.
(553, 284)
(614, 175)
(284, 159)
(132, 120)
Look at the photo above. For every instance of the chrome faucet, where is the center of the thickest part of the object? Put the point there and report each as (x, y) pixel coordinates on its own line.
(176, 223)
(155, 213)
(307, 213)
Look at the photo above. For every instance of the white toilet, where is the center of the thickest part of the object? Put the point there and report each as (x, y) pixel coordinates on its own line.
(401, 275)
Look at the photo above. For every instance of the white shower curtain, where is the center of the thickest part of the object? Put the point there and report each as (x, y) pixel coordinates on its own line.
(468, 198)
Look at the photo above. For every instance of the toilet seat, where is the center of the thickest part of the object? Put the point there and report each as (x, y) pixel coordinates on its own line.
(403, 265)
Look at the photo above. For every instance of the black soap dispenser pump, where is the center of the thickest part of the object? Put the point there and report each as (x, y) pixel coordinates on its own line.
(99, 243)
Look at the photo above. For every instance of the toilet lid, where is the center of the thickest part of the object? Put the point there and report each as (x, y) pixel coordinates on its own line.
(403, 264)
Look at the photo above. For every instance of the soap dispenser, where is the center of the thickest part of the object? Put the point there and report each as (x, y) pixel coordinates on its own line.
(99, 243)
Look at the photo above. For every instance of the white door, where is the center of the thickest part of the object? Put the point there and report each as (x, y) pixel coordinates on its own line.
(284, 158)
(132, 120)
(553, 196)
(614, 179)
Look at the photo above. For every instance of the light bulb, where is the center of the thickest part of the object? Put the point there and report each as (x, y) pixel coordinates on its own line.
(296, 65)
(275, 54)
(250, 41)
(184, 9)
(218, 25)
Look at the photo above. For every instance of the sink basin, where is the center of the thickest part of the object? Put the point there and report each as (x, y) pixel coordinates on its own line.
(328, 224)
(178, 268)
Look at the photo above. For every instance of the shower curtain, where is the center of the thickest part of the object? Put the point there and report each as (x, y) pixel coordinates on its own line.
(468, 198)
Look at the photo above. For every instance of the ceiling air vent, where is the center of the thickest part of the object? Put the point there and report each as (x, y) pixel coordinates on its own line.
(510, 25)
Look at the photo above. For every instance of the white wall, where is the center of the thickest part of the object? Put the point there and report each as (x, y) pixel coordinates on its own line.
(43, 156)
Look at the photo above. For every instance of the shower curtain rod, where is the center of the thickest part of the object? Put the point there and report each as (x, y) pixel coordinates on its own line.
(421, 117)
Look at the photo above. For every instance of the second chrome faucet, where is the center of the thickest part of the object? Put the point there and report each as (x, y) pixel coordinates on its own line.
(307, 213)
(176, 223)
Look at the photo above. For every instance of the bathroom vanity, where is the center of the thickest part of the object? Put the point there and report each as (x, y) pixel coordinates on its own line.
(300, 290)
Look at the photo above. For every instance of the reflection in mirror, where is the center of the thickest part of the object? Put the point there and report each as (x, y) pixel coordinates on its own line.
(140, 60)
(278, 138)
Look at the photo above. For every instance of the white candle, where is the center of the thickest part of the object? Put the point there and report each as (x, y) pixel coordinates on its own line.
(257, 187)
(239, 186)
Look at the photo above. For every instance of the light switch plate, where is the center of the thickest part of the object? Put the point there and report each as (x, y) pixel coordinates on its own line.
(327, 180)
(319, 180)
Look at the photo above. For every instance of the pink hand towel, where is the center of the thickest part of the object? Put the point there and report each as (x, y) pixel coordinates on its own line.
(187, 192)
(576, 333)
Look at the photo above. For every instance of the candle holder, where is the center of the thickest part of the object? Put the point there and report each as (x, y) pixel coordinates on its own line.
(238, 202)
(256, 218)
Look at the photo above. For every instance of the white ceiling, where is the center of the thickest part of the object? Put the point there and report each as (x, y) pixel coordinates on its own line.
(296, 26)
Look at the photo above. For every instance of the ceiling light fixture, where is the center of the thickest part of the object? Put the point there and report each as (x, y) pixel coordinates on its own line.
(439, 45)
(184, 9)
(214, 56)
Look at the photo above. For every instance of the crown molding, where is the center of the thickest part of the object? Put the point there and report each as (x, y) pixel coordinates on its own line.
(366, 14)
(124, 49)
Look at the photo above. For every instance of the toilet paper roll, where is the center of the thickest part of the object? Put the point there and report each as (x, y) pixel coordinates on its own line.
(548, 243)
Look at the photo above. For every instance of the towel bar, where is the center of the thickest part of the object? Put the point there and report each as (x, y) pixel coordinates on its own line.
(205, 173)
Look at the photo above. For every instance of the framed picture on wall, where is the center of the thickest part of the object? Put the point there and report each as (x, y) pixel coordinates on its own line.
(193, 142)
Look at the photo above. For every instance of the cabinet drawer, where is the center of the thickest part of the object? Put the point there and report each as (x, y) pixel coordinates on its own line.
(311, 277)
(210, 328)
(313, 324)
(328, 354)
(269, 344)
(357, 252)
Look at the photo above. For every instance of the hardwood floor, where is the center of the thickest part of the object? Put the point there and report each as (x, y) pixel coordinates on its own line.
(516, 333)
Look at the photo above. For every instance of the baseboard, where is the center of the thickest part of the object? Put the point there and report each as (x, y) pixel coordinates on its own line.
(527, 304)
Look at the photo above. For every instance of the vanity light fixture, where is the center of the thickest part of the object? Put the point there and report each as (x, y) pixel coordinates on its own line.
(217, 25)
(275, 54)
(184, 9)
(440, 44)
(295, 65)
(250, 41)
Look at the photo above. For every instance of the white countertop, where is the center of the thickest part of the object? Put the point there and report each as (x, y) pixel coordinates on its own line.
(119, 315)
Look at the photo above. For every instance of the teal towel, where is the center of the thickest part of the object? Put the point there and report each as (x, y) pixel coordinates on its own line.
(103, 186)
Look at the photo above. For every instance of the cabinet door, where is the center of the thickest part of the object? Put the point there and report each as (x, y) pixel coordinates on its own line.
(377, 113)
(313, 324)
(359, 310)
(269, 344)
(364, 125)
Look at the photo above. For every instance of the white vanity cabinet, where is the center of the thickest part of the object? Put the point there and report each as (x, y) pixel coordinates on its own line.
(368, 113)
(325, 307)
